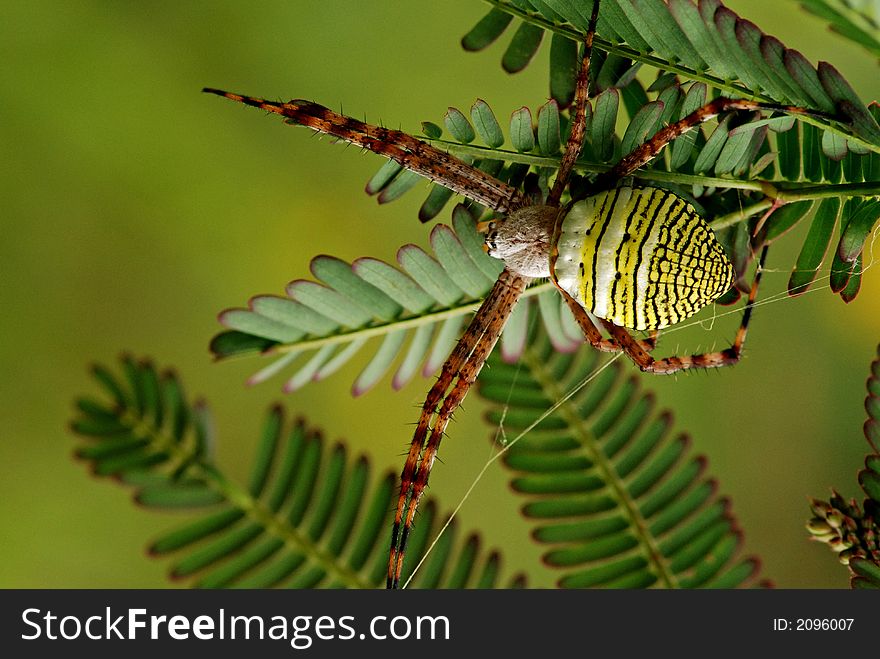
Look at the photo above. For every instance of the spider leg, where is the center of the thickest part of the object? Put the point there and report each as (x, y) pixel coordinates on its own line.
(717, 359)
(641, 155)
(459, 372)
(415, 155)
(579, 117)
(592, 334)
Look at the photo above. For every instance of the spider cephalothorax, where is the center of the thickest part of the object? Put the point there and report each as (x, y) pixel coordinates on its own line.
(633, 257)
(523, 240)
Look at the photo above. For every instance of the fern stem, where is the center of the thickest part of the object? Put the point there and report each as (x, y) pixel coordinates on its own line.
(279, 527)
(791, 195)
(396, 325)
(241, 498)
(589, 442)
(740, 215)
(728, 86)
(789, 191)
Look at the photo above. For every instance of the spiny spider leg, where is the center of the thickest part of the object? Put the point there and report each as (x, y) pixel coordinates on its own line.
(726, 357)
(577, 130)
(573, 149)
(591, 332)
(412, 153)
(478, 342)
(458, 374)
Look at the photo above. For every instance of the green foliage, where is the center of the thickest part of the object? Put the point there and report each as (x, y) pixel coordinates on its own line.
(614, 492)
(851, 530)
(706, 42)
(418, 309)
(621, 501)
(310, 516)
(426, 300)
(838, 161)
(709, 44)
(320, 326)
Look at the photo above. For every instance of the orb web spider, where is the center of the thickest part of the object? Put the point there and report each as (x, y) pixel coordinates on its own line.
(634, 257)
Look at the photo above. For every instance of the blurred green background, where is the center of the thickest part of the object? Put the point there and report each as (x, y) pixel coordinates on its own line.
(135, 208)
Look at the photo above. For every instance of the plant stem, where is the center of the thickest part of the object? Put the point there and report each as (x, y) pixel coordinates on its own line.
(790, 191)
(238, 496)
(618, 489)
(467, 307)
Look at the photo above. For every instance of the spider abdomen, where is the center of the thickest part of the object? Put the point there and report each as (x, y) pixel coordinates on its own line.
(640, 257)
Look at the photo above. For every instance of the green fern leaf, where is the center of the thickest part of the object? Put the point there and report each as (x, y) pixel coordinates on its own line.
(309, 516)
(867, 574)
(522, 48)
(487, 30)
(522, 134)
(707, 43)
(563, 69)
(417, 311)
(644, 124)
(851, 530)
(815, 247)
(615, 494)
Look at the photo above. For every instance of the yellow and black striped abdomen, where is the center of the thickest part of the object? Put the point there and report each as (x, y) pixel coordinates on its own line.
(642, 258)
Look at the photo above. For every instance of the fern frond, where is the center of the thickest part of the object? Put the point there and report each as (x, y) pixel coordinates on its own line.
(614, 492)
(705, 43)
(736, 49)
(726, 158)
(416, 309)
(309, 516)
(801, 172)
(850, 530)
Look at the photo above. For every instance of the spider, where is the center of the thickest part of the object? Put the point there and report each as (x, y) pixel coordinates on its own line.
(625, 257)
